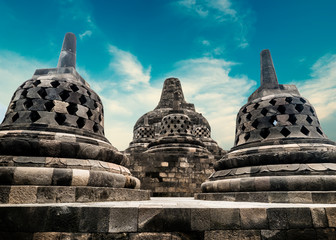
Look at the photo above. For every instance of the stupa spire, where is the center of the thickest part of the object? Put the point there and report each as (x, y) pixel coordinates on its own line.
(268, 78)
(67, 56)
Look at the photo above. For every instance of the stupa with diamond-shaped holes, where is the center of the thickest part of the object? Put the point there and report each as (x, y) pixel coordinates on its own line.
(280, 152)
(52, 143)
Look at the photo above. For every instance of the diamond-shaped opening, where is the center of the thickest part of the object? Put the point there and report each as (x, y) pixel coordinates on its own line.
(289, 99)
(82, 99)
(74, 88)
(64, 95)
(292, 119)
(264, 133)
(299, 107)
(285, 132)
(88, 92)
(72, 108)
(309, 120)
(49, 105)
(256, 105)
(312, 110)
(248, 117)
(244, 110)
(273, 120)
(243, 127)
(34, 116)
(60, 118)
(28, 103)
(80, 122)
(24, 93)
(175, 126)
(15, 117)
(282, 109)
(178, 130)
(171, 130)
(237, 140)
(89, 113)
(255, 123)
(264, 111)
(304, 130)
(55, 84)
(247, 136)
(36, 83)
(273, 102)
(302, 100)
(42, 92)
(239, 120)
(95, 127)
(319, 130)
(95, 105)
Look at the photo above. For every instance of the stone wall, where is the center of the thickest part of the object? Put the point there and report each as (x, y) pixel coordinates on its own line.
(172, 174)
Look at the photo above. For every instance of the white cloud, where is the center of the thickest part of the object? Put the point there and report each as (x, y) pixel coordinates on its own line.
(129, 69)
(87, 33)
(221, 11)
(218, 96)
(321, 88)
(14, 70)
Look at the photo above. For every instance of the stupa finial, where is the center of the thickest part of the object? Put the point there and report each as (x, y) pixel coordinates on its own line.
(67, 56)
(268, 78)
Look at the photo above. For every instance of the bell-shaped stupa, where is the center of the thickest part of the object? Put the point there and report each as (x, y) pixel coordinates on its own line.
(280, 152)
(148, 127)
(52, 143)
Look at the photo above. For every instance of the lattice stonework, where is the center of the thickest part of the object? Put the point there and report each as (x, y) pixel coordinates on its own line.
(175, 124)
(279, 117)
(56, 102)
(144, 132)
(201, 132)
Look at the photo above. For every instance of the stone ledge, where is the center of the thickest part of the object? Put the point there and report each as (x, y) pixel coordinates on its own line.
(168, 218)
(65, 194)
(271, 197)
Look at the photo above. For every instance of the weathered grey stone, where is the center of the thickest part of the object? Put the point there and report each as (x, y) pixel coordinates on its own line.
(224, 219)
(253, 218)
(123, 220)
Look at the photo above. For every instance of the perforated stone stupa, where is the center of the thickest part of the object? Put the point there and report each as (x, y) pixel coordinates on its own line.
(148, 127)
(172, 149)
(52, 143)
(280, 152)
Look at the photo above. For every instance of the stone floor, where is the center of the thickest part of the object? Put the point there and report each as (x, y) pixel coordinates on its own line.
(168, 218)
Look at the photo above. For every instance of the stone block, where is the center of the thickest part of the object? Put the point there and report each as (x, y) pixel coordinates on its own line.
(62, 219)
(200, 219)
(4, 194)
(94, 219)
(273, 234)
(300, 234)
(33, 176)
(299, 218)
(150, 236)
(327, 233)
(62, 177)
(253, 218)
(224, 218)
(23, 194)
(319, 217)
(277, 218)
(80, 177)
(331, 216)
(123, 220)
(232, 235)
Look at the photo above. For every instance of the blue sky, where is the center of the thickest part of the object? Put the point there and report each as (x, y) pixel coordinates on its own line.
(126, 48)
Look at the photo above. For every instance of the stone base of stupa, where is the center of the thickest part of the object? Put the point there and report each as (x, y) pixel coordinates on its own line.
(272, 197)
(168, 219)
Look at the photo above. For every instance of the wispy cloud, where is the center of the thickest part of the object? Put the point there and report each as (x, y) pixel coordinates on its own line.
(220, 11)
(208, 84)
(87, 33)
(128, 68)
(321, 88)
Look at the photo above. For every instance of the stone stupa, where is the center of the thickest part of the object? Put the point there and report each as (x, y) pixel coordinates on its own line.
(280, 152)
(148, 126)
(172, 151)
(52, 143)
